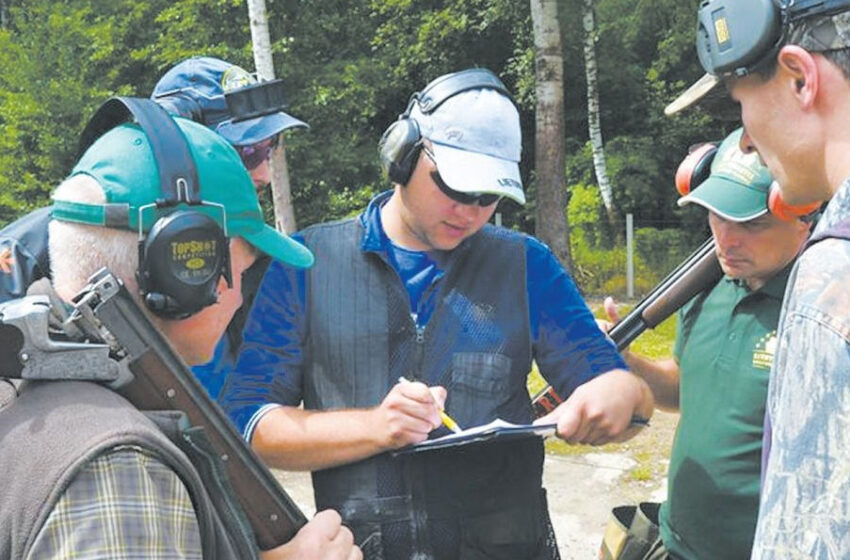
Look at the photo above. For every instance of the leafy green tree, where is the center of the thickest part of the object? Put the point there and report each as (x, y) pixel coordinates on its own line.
(60, 60)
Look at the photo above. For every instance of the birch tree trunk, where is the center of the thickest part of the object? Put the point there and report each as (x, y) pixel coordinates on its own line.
(593, 121)
(550, 213)
(284, 213)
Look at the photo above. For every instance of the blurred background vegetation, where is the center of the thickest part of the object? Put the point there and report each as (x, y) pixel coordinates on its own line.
(349, 67)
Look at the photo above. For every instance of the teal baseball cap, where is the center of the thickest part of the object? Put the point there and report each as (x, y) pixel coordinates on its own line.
(738, 186)
(123, 163)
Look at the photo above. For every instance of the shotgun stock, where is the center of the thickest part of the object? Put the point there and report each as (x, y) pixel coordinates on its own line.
(696, 273)
(162, 381)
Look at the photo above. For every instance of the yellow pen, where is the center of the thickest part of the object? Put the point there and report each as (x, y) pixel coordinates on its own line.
(449, 423)
(447, 420)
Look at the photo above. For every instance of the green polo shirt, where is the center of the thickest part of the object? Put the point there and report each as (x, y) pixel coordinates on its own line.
(725, 342)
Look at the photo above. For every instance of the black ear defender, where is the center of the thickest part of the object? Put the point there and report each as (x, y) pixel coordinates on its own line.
(186, 252)
(401, 143)
(182, 105)
(735, 36)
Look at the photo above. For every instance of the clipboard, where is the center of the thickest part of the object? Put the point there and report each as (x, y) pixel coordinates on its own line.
(497, 430)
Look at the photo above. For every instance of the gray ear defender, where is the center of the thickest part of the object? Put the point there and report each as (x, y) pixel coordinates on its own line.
(401, 143)
(399, 149)
(735, 36)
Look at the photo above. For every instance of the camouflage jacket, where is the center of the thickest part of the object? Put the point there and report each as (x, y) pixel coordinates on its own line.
(805, 500)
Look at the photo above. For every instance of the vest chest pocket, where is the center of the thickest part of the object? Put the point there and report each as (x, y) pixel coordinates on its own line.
(479, 386)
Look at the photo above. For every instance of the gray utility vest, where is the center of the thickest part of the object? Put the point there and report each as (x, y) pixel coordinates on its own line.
(51, 429)
(482, 501)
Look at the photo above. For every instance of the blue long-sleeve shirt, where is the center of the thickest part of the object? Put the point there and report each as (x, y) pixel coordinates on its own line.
(568, 347)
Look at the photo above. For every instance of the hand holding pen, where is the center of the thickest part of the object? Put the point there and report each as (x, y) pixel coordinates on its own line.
(409, 412)
(445, 418)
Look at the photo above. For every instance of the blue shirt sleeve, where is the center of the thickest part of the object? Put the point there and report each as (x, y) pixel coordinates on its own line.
(269, 366)
(569, 347)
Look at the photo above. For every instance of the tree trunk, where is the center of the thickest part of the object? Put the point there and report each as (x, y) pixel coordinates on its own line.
(284, 213)
(593, 123)
(551, 219)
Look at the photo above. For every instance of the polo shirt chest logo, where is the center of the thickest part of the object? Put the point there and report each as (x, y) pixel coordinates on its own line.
(764, 350)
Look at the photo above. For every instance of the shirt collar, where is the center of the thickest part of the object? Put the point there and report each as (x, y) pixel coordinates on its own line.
(774, 287)
(374, 237)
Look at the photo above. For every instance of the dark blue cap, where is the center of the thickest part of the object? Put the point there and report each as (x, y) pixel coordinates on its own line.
(196, 88)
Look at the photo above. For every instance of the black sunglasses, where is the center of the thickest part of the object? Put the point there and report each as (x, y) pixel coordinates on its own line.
(481, 199)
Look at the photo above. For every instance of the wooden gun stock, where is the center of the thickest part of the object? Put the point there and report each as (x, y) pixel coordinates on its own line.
(162, 381)
(696, 273)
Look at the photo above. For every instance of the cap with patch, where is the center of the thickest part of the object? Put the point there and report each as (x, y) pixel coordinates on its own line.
(196, 88)
(476, 141)
(738, 187)
(122, 162)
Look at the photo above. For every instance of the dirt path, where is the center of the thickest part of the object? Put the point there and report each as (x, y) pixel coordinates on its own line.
(582, 486)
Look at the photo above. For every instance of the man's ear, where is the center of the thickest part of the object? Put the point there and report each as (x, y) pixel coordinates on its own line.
(799, 69)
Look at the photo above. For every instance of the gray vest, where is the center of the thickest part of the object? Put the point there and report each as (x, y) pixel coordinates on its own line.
(362, 337)
(50, 430)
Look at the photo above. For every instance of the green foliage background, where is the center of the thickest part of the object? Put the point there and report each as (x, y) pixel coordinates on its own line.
(350, 67)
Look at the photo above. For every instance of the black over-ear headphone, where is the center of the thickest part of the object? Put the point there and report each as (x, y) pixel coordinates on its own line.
(186, 252)
(182, 105)
(401, 143)
(735, 36)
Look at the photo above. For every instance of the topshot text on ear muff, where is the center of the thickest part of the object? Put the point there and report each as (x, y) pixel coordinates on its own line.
(186, 252)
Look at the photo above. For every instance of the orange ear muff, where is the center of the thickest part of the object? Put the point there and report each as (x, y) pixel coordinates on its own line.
(785, 211)
(695, 168)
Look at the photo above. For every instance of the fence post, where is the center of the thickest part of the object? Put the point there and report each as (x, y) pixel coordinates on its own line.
(630, 263)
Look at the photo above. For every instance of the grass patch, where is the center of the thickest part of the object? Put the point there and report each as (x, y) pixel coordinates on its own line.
(642, 472)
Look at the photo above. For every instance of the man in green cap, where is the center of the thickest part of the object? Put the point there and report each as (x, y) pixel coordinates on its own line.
(718, 375)
(787, 66)
(86, 474)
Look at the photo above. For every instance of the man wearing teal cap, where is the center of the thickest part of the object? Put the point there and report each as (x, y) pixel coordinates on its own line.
(199, 88)
(718, 375)
(88, 474)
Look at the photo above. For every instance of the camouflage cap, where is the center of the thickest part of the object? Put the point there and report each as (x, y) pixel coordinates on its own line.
(815, 26)
(821, 33)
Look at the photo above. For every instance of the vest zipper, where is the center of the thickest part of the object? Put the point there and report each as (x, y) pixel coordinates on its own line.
(414, 469)
(419, 352)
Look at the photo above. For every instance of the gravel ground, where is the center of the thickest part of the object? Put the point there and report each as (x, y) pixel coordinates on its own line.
(582, 485)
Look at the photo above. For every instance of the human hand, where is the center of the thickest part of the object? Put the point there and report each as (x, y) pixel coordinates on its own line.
(409, 412)
(610, 307)
(322, 538)
(600, 411)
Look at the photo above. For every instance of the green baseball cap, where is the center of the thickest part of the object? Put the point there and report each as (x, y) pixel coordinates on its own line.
(122, 162)
(738, 187)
